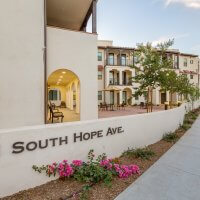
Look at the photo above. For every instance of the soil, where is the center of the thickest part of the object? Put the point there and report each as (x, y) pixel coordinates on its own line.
(57, 189)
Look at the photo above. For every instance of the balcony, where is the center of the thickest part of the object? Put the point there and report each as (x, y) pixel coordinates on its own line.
(119, 62)
(116, 82)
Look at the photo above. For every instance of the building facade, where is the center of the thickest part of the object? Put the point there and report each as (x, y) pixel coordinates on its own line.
(115, 84)
(115, 74)
(43, 58)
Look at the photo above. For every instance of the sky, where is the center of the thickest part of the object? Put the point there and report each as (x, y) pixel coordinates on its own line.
(128, 22)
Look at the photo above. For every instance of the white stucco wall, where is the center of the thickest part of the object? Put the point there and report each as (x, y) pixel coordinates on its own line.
(76, 51)
(21, 63)
(139, 131)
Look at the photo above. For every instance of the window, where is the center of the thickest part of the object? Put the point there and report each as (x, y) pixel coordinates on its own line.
(100, 75)
(54, 95)
(111, 59)
(123, 59)
(111, 78)
(100, 56)
(99, 95)
(185, 62)
(135, 59)
(124, 97)
(191, 76)
(191, 61)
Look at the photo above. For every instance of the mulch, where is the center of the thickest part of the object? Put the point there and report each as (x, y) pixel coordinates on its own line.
(57, 189)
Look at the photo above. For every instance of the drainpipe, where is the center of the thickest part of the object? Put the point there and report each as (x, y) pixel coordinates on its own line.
(45, 62)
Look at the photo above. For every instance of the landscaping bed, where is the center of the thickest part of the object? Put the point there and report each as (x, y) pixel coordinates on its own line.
(144, 158)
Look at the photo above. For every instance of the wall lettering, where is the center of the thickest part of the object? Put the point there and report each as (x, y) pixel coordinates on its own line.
(19, 147)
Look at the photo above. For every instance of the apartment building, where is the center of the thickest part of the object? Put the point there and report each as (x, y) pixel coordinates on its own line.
(43, 58)
(115, 84)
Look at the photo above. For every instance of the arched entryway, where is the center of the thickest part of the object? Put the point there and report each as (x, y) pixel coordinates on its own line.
(127, 96)
(63, 96)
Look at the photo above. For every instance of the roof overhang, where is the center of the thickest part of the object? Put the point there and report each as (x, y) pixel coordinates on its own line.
(70, 14)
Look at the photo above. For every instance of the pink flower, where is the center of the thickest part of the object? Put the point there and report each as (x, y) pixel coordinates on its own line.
(77, 163)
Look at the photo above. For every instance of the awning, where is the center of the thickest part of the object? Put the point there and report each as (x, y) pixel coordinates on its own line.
(100, 67)
(188, 72)
(68, 14)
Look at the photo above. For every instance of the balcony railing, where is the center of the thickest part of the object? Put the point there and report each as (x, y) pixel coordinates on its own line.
(119, 62)
(117, 82)
(114, 81)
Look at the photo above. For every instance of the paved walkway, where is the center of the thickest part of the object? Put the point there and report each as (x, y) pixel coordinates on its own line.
(176, 176)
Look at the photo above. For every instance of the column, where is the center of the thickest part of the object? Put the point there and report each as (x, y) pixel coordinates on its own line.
(67, 98)
(107, 77)
(94, 16)
(133, 99)
(120, 77)
(120, 97)
(77, 99)
(156, 96)
(167, 96)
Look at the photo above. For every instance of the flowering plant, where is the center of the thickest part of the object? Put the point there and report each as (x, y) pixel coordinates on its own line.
(93, 171)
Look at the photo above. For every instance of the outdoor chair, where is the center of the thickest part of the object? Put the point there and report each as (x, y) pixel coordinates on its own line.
(141, 105)
(118, 106)
(103, 106)
(55, 113)
(123, 105)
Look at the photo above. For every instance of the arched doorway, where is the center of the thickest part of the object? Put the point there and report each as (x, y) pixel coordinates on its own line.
(63, 96)
(127, 96)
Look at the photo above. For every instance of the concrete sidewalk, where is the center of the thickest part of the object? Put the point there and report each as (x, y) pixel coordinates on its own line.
(175, 176)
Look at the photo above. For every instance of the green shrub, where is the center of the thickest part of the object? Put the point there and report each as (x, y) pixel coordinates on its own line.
(188, 121)
(143, 153)
(93, 172)
(170, 137)
(186, 126)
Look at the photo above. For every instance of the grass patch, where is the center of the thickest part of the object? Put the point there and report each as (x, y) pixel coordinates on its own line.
(142, 153)
(170, 137)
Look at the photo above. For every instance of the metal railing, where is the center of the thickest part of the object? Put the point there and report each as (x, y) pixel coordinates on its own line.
(117, 82)
(119, 62)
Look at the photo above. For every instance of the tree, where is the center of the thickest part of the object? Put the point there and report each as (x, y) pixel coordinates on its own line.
(150, 64)
(184, 86)
(169, 81)
(194, 94)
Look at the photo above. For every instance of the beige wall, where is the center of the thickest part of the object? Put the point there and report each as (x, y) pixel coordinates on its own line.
(21, 63)
(139, 131)
(76, 51)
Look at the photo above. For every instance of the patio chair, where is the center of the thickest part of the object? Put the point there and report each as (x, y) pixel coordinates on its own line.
(118, 106)
(141, 105)
(102, 106)
(123, 105)
(54, 113)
